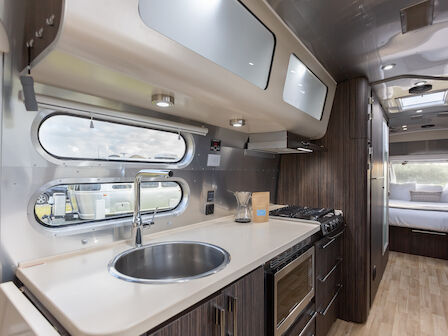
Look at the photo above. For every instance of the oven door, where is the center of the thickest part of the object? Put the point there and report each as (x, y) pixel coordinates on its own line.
(293, 290)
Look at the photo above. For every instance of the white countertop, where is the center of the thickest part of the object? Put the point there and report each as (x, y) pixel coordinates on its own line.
(81, 294)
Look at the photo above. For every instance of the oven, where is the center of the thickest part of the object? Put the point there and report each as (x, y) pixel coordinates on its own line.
(289, 281)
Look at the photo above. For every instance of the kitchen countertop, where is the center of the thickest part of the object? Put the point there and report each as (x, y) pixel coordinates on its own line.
(81, 294)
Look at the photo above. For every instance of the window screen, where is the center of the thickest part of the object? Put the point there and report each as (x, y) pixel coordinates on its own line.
(73, 137)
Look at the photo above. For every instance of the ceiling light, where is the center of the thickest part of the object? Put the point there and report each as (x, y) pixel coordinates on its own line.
(250, 63)
(420, 83)
(237, 122)
(405, 126)
(162, 100)
(388, 67)
(419, 111)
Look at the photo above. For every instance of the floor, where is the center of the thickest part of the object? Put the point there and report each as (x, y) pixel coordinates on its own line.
(412, 300)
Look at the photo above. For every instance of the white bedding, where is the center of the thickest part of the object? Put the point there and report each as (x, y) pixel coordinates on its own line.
(432, 206)
(417, 218)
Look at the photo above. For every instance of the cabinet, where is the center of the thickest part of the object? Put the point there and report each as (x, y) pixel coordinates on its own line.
(235, 310)
(328, 280)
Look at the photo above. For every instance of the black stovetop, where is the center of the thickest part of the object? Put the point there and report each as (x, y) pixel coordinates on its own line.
(294, 211)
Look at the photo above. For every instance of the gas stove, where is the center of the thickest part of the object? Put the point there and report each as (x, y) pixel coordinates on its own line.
(329, 219)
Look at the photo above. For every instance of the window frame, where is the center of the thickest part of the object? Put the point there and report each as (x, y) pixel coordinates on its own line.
(45, 114)
(101, 224)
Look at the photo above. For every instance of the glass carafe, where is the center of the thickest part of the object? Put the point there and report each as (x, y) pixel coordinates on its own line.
(243, 212)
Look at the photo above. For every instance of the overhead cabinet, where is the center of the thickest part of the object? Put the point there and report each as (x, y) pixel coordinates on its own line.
(219, 60)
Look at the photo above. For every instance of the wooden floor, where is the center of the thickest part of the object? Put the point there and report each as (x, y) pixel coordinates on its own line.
(412, 300)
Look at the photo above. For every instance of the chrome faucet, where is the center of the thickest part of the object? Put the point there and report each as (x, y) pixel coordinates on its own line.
(137, 223)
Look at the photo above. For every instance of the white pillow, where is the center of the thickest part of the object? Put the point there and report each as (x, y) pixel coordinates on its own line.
(401, 191)
(429, 187)
(444, 197)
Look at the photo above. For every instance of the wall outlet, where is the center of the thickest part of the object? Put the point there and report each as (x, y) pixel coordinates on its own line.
(209, 209)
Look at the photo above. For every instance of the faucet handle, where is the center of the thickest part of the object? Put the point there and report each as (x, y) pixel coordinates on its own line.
(147, 224)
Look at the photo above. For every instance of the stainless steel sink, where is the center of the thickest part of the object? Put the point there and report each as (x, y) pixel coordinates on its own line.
(169, 262)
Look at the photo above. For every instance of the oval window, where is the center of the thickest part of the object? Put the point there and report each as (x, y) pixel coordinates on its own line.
(80, 138)
(69, 204)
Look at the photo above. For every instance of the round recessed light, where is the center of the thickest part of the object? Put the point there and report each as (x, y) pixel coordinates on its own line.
(162, 100)
(237, 122)
(420, 83)
(419, 111)
(388, 67)
(250, 63)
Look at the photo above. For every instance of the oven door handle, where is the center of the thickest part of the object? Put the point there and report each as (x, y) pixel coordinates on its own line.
(313, 317)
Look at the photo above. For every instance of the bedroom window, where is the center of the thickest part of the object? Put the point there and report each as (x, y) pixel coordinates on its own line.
(420, 172)
(81, 138)
(69, 204)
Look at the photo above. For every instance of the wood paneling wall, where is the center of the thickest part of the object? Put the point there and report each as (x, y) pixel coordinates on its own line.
(338, 179)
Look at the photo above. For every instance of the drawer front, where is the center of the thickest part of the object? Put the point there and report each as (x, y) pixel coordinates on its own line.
(326, 317)
(327, 285)
(328, 251)
(305, 325)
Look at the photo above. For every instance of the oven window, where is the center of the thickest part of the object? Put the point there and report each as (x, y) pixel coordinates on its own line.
(293, 287)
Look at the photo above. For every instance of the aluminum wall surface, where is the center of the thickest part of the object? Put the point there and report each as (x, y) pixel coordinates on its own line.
(24, 170)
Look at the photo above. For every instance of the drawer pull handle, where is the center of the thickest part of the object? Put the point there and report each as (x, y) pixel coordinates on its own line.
(331, 302)
(232, 307)
(430, 232)
(333, 238)
(337, 235)
(313, 317)
(338, 262)
(220, 320)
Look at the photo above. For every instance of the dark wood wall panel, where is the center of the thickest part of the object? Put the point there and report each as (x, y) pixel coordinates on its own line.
(338, 179)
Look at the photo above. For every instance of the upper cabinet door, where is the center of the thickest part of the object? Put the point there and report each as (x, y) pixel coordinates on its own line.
(225, 32)
(303, 89)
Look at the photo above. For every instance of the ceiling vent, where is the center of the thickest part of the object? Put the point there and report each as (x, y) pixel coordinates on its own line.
(419, 89)
(417, 16)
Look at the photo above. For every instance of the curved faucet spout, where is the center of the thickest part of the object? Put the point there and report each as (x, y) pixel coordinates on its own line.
(137, 223)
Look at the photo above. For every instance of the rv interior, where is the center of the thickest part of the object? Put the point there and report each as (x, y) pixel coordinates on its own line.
(224, 167)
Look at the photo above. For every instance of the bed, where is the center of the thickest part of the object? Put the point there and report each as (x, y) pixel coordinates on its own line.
(419, 228)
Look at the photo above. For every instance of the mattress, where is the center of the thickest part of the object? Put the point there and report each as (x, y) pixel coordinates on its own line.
(419, 219)
(429, 206)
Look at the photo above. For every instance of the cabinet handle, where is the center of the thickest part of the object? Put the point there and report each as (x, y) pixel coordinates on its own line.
(339, 260)
(331, 302)
(313, 317)
(220, 320)
(333, 238)
(233, 308)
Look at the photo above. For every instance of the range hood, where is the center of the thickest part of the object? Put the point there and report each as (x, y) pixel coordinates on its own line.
(282, 142)
(105, 48)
